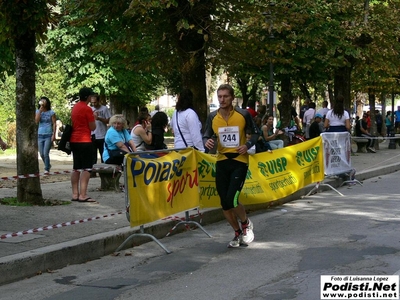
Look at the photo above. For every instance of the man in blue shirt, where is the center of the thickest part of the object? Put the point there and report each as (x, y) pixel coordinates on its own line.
(397, 119)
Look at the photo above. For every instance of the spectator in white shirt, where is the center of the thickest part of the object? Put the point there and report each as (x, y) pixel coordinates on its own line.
(308, 117)
(185, 123)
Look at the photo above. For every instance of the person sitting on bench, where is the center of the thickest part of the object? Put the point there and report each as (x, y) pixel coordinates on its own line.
(361, 131)
(117, 138)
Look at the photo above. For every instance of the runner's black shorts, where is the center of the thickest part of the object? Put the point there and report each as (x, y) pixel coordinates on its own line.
(229, 179)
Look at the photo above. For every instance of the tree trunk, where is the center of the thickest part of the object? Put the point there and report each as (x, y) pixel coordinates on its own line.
(342, 83)
(330, 95)
(194, 78)
(285, 106)
(118, 105)
(371, 100)
(243, 84)
(383, 112)
(304, 90)
(286, 102)
(191, 47)
(28, 189)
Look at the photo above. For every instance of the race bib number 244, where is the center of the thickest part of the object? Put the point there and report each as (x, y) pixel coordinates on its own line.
(229, 136)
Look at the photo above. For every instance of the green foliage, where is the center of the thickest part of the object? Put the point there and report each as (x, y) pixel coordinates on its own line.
(133, 50)
(7, 106)
(86, 50)
(49, 83)
(13, 201)
(8, 151)
(169, 112)
(18, 17)
(7, 65)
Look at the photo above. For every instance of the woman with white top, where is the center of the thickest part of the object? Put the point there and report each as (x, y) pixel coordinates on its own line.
(337, 119)
(185, 123)
(141, 133)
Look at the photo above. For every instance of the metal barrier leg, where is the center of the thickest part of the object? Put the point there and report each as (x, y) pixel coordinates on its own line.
(186, 222)
(332, 188)
(315, 188)
(142, 234)
(322, 184)
(354, 181)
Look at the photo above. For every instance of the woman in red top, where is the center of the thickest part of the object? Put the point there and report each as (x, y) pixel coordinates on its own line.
(83, 123)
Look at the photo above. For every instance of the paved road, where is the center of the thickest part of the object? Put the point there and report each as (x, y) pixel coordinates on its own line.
(53, 249)
(295, 243)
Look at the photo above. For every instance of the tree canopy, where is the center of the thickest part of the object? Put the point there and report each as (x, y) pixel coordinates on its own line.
(132, 51)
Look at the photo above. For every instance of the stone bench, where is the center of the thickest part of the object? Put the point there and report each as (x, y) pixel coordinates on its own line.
(361, 144)
(109, 176)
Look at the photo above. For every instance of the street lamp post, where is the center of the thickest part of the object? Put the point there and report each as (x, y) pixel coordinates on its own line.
(268, 16)
(271, 85)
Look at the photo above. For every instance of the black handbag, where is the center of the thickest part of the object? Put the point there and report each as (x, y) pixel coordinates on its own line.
(117, 155)
(262, 145)
(64, 144)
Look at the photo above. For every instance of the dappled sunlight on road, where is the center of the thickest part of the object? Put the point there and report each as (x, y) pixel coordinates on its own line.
(273, 245)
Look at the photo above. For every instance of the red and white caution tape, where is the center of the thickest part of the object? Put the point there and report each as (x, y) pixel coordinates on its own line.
(21, 233)
(54, 173)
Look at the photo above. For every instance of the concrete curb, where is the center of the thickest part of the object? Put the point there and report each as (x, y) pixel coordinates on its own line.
(34, 262)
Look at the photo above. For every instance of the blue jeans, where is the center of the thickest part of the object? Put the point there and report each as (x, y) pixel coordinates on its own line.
(44, 143)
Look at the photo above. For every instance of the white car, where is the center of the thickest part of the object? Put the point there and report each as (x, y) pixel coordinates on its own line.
(213, 107)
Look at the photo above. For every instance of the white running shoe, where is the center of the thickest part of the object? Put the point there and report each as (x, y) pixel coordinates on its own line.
(248, 234)
(237, 241)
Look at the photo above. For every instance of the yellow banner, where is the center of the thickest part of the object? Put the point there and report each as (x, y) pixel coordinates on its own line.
(208, 192)
(160, 187)
(275, 175)
(179, 181)
(271, 176)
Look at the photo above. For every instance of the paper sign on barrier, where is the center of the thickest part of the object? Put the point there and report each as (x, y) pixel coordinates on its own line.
(337, 152)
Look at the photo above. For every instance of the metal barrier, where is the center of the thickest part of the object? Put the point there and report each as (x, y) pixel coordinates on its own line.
(337, 159)
(150, 155)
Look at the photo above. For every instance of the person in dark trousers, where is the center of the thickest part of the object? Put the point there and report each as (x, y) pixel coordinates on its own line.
(102, 116)
(230, 125)
(379, 122)
(361, 131)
